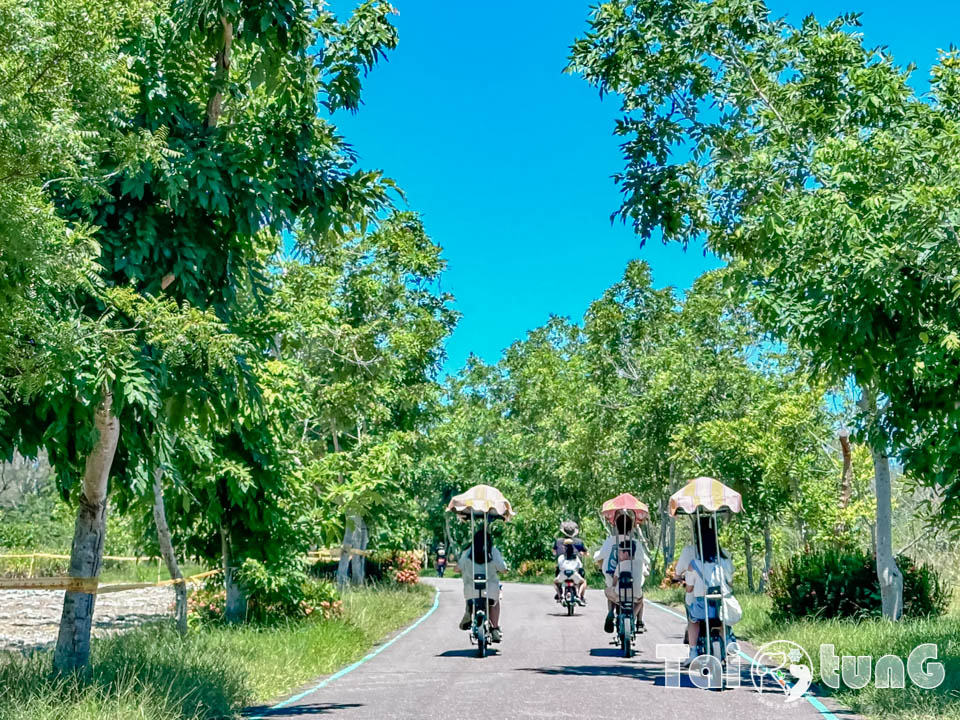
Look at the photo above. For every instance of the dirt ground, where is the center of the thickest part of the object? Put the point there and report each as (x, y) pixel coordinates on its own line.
(29, 619)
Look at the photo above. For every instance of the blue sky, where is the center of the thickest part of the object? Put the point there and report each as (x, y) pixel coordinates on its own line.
(509, 160)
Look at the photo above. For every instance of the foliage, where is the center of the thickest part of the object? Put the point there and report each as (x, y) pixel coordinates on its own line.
(834, 583)
(808, 161)
(275, 593)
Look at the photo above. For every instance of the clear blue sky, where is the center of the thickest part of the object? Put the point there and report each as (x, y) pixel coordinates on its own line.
(509, 160)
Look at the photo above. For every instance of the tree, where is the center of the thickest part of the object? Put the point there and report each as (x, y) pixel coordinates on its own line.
(246, 156)
(807, 158)
(365, 326)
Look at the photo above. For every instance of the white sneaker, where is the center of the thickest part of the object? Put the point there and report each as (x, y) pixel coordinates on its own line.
(690, 658)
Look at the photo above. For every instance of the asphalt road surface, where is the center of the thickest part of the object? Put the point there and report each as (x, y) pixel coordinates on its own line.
(548, 666)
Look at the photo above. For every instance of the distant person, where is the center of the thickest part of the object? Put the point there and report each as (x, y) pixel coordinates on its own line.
(569, 530)
(570, 560)
(441, 561)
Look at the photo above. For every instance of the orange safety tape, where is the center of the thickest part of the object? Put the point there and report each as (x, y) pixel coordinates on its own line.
(52, 556)
(91, 585)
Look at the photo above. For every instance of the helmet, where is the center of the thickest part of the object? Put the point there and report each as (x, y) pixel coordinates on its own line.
(569, 528)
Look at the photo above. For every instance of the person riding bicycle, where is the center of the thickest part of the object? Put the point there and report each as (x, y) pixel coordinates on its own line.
(623, 550)
(494, 565)
(570, 560)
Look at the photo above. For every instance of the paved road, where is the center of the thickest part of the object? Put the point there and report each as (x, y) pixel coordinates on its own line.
(548, 666)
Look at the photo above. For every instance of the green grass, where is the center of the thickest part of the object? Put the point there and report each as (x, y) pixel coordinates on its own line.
(152, 674)
(865, 637)
(876, 638)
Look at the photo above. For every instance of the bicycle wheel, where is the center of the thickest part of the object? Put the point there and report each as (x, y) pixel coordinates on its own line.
(481, 642)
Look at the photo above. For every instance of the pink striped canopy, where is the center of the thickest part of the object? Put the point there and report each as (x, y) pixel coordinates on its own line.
(705, 492)
(628, 503)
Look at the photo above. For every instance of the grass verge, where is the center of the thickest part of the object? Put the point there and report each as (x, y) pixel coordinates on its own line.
(152, 674)
(876, 638)
(872, 637)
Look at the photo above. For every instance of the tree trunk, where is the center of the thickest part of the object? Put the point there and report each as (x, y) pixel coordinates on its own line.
(358, 563)
(662, 542)
(167, 551)
(221, 76)
(846, 479)
(86, 554)
(349, 535)
(447, 537)
(670, 548)
(767, 555)
(748, 551)
(235, 609)
(891, 581)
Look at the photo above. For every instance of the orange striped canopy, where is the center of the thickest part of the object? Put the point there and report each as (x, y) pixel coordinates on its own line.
(707, 493)
(627, 503)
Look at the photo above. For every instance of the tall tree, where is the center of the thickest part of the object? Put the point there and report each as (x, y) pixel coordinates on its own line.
(808, 158)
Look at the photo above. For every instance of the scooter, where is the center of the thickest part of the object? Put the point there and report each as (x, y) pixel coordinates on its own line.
(718, 639)
(626, 622)
(570, 597)
(441, 565)
(480, 627)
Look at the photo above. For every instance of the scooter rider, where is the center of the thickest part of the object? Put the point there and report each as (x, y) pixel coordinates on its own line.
(570, 560)
(441, 562)
(617, 550)
(494, 565)
(569, 530)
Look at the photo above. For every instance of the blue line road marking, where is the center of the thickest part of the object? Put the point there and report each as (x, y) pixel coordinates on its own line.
(350, 668)
(815, 702)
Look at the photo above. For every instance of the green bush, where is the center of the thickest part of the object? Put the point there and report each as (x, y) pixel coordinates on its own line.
(834, 583)
(279, 592)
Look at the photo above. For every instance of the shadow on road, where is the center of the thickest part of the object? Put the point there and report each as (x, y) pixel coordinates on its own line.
(466, 652)
(298, 710)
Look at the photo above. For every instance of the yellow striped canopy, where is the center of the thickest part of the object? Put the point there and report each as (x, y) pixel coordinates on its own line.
(707, 493)
(481, 499)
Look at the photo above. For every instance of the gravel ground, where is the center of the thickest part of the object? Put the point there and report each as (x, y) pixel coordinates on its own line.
(29, 619)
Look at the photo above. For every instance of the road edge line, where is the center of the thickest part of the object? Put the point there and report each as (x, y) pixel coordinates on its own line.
(813, 700)
(350, 668)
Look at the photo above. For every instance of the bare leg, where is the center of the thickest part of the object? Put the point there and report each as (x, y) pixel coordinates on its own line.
(693, 633)
(495, 615)
(556, 585)
(583, 590)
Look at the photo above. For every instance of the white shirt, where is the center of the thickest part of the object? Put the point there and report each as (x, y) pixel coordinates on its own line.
(565, 563)
(706, 570)
(641, 561)
(687, 556)
(495, 566)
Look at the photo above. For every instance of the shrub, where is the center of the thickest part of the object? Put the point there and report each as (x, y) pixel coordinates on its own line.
(405, 567)
(834, 583)
(206, 604)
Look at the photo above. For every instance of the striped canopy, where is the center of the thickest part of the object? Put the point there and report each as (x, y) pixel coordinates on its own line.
(480, 500)
(707, 493)
(627, 503)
